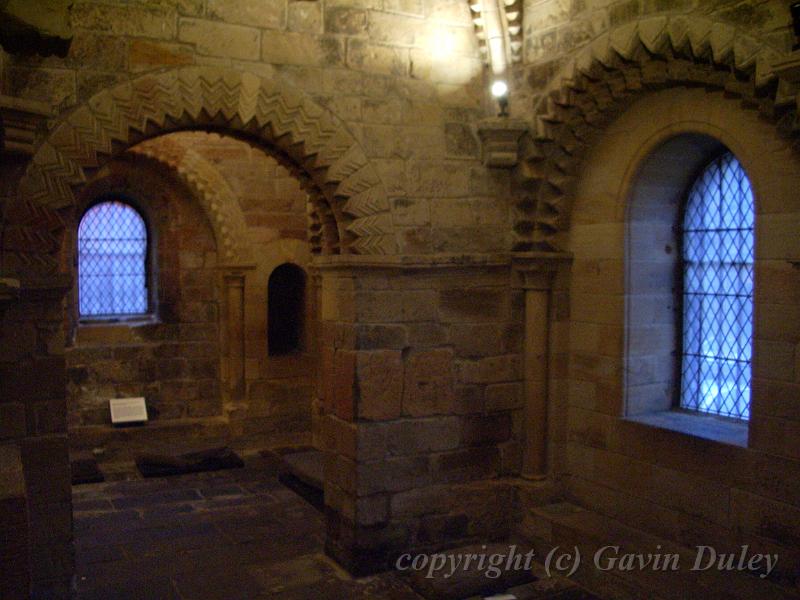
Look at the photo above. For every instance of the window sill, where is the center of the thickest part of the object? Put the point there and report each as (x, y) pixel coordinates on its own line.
(105, 332)
(708, 427)
(132, 321)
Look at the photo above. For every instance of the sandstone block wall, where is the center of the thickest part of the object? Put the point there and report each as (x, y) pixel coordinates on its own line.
(690, 481)
(422, 367)
(182, 362)
(422, 379)
(172, 357)
(15, 571)
(554, 30)
(37, 525)
(405, 78)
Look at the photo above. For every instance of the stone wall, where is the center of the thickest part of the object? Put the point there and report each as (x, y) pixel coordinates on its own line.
(34, 430)
(180, 362)
(686, 478)
(422, 390)
(276, 403)
(555, 30)
(172, 357)
(422, 379)
(405, 77)
(15, 570)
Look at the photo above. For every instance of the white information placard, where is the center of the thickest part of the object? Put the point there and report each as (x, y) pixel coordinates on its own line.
(128, 410)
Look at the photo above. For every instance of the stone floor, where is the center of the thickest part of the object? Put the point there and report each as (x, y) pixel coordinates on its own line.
(228, 535)
(237, 534)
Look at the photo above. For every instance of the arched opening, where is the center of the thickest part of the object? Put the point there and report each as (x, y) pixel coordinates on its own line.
(113, 245)
(210, 200)
(689, 281)
(278, 122)
(285, 308)
(653, 263)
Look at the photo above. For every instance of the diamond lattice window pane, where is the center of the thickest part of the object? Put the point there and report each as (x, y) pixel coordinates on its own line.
(718, 255)
(112, 251)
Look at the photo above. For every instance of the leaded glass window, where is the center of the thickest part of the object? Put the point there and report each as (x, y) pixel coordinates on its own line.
(718, 254)
(112, 254)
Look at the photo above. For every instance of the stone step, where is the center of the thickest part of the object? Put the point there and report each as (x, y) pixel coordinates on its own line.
(300, 468)
(537, 493)
(307, 466)
(570, 526)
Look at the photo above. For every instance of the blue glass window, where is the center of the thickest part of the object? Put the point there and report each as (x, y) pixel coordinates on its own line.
(112, 254)
(718, 254)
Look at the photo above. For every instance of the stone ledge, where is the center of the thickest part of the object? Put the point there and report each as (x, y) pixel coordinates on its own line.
(703, 426)
(412, 261)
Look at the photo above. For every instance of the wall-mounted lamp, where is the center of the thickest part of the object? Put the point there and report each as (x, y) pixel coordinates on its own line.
(500, 93)
(795, 8)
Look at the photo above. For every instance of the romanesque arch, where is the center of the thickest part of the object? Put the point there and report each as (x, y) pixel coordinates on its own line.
(266, 111)
(211, 191)
(604, 78)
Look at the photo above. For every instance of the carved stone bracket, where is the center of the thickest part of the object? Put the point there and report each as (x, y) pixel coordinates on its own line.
(536, 270)
(20, 123)
(500, 138)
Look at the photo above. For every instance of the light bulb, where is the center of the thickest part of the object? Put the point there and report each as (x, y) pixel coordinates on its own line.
(499, 89)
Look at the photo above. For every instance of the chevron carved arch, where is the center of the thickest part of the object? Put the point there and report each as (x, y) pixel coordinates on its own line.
(608, 75)
(266, 111)
(211, 191)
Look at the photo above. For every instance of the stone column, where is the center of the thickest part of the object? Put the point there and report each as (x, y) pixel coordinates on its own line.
(234, 363)
(535, 273)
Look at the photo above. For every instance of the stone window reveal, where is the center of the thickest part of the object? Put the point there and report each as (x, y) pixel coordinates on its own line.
(286, 304)
(718, 256)
(112, 253)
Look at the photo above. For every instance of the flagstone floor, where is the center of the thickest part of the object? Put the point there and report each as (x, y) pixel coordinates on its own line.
(229, 535)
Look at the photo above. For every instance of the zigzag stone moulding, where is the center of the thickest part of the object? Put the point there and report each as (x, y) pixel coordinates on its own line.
(212, 192)
(265, 111)
(611, 72)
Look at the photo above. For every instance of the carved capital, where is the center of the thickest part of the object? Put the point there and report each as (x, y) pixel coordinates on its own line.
(500, 138)
(536, 270)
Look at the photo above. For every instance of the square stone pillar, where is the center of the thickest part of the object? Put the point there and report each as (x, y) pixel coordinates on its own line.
(33, 420)
(422, 396)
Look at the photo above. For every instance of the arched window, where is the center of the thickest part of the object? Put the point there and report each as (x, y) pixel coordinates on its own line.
(718, 253)
(112, 255)
(286, 304)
